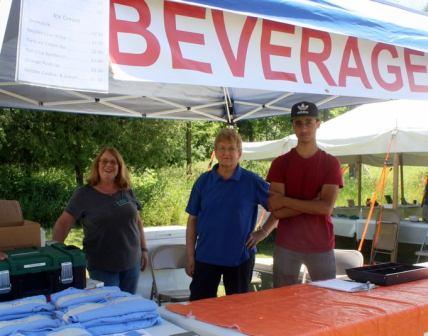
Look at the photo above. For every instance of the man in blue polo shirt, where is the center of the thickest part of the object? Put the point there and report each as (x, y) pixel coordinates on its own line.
(222, 212)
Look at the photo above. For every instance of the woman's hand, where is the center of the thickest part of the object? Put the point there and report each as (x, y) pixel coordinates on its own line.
(190, 267)
(3, 255)
(144, 260)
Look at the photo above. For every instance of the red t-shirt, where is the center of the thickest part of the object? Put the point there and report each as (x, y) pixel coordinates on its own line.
(303, 179)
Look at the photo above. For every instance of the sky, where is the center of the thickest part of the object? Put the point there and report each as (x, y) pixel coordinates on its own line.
(415, 4)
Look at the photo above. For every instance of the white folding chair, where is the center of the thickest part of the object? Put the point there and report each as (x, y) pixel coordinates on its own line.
(344, 259)
(170, 281)
(423, 251)
(386, 242)
(347, 259)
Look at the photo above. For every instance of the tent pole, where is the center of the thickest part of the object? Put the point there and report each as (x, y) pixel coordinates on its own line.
(395, 182)
(189, 148)
(403, 199)
(359, 171)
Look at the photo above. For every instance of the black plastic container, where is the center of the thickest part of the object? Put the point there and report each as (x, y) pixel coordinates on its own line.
(387, 273)
(44, 270)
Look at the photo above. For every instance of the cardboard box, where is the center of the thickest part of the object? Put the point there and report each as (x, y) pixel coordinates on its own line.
(10, 213)
(15, 232)
(26, 235)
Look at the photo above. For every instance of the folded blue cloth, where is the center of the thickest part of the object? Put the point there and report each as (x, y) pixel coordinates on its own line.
(30, 325)
(116, 307)
(73, 296)
(70, 330)
(24, 307)
(138, 316)
(123, 327)
(19, 316)
(134, 332)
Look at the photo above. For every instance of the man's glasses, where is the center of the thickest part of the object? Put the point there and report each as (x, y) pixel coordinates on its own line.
(105, 162)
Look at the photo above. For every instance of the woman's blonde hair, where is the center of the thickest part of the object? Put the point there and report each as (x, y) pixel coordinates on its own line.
(122, 179)
(229, 135)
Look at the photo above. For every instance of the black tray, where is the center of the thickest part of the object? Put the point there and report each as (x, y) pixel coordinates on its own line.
(387, 273)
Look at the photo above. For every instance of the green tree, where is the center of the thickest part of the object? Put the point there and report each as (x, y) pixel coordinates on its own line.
(203, 135)
(265, 129)
(36, 140)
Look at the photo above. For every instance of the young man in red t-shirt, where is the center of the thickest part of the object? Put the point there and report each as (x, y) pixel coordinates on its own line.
(304, 184)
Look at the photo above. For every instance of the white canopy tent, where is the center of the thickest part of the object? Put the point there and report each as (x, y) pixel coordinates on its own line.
(208, 59)
(366, 131)
(364, 135)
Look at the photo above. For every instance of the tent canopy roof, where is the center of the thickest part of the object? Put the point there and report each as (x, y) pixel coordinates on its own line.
(375, 21)
(378, 20)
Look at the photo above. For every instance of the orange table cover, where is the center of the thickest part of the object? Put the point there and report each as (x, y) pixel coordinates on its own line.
(308, 310)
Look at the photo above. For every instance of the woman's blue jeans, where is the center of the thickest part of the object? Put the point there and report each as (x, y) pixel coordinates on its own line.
(126, 280)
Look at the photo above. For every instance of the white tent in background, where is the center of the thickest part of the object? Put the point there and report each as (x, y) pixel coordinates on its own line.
(364, 135)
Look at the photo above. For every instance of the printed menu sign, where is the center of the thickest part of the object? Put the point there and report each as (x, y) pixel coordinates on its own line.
(64, 44)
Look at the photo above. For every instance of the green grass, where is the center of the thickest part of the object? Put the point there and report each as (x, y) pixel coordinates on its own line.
(265, 249)
(75, 236)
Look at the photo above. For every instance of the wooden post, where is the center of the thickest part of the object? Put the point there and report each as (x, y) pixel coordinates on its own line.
(395, 181)
(359, 171)
(189, 147)
(402, 198)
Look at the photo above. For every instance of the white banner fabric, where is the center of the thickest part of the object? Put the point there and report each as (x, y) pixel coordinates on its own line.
(163, 41)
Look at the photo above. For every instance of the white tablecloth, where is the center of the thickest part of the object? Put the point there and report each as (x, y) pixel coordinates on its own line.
(344, 227)
(409, 232)
(198, 327)
(165, 328)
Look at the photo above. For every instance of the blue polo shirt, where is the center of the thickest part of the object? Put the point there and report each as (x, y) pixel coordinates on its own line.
(226, 212)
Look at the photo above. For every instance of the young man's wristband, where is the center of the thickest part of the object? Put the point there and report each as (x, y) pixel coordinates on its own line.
(144, 249)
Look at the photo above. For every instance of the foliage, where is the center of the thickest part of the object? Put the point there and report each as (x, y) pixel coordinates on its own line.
(203, 135)
(36, 140)
(334, 112)
(164, 194)
(414, 183)
(259, 167)
(37, 147)
(42, 194)
(265, 129)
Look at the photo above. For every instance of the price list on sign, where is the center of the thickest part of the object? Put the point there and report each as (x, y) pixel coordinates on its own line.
(64, 44)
